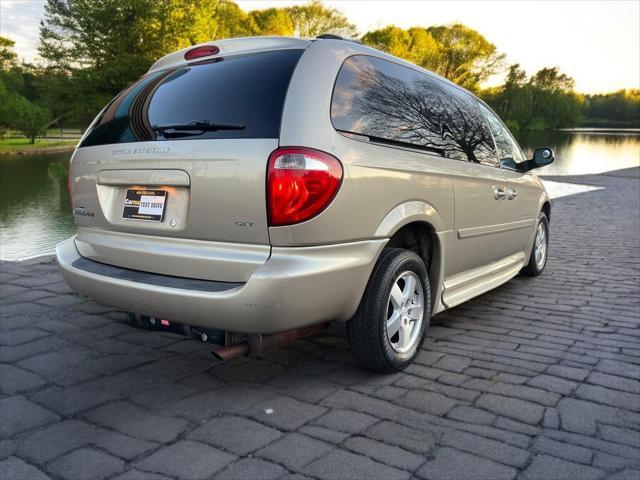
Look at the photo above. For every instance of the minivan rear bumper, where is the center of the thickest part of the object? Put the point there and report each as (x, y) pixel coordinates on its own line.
(295, 287)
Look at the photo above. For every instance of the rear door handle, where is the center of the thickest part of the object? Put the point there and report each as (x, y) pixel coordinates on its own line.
(511, 194)
(499, 193)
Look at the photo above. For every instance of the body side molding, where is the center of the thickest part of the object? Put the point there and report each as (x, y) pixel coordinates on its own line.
(491, 229)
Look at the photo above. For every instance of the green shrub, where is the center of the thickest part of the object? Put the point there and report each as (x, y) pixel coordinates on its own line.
(512, 125)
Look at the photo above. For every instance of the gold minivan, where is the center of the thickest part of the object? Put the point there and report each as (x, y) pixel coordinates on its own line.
(250, 191)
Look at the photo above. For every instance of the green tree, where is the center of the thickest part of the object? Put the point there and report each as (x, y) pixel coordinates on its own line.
(391, 39)
(98, 47)
(5, 111)
(231, 21)
(11, 73)
(416, 44)
(29, 119)
(553, 102)
(18, 107)
(513, 101)
(314, 18)
(8, 57)
(18, 113)
(546, 100)
(465, 56)
(122, 36)
(456, 52)
(95, 48)
(273, 21)
(620, 108)
(7, 83)
(423, 47)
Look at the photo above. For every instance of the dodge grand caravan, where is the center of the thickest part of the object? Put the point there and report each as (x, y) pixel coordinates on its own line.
(249, 191)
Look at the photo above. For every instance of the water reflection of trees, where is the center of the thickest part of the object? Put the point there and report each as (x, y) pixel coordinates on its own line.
(424, 112)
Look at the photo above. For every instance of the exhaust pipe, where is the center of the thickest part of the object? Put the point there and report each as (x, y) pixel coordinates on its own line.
(253, 344)
(232, 351)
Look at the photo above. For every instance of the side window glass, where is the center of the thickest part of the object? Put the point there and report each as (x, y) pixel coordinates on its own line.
(384, 100)
(506, 146)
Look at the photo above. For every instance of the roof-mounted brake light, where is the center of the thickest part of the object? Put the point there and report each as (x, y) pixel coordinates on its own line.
(199, 52)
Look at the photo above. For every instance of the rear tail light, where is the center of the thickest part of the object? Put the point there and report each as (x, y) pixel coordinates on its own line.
(301, 182)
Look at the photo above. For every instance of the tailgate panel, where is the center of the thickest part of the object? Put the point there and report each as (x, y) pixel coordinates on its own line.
(216, 187)
(215, 222)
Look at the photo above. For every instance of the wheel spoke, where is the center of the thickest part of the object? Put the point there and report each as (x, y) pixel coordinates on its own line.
(405, 335)
(397, 299)
(415, 312)
(394, 323)
(409, 288)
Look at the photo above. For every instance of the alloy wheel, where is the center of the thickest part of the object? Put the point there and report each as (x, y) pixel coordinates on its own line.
(540, 246)
(405, 312)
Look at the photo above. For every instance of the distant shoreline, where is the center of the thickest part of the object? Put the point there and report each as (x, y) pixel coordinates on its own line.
(625, 130)
(37, 150)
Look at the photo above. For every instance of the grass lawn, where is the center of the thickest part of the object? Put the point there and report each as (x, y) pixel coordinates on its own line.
(16, 145)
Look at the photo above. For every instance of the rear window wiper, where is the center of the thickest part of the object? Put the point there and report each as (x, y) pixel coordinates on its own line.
(195, 127)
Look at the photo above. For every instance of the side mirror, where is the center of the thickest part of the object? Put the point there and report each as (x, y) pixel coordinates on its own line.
(541, 157)
(509, 163)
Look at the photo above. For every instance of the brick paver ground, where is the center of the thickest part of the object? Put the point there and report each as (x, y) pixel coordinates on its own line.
(537, 379)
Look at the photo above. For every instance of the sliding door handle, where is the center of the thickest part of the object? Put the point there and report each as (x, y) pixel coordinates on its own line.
(499, 193)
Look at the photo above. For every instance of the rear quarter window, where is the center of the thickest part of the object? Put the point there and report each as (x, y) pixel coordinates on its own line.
(247, 90)
(388, 101)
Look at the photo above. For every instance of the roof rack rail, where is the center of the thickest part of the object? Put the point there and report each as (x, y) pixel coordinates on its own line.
(331, 36)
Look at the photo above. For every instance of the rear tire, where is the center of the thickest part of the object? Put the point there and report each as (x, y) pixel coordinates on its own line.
(540, 249)
(388, 329)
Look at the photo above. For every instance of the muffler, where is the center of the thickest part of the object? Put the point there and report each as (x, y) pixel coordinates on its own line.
(245, 344)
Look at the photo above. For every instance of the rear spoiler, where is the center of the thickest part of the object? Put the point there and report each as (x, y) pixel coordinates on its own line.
(232, 46)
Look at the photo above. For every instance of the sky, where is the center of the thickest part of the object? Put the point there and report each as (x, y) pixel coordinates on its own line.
(596, 43)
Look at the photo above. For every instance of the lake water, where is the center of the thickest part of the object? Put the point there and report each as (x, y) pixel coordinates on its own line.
(585, 152)
(35, 212)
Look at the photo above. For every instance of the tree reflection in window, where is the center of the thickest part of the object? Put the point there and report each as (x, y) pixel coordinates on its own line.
(382, 99)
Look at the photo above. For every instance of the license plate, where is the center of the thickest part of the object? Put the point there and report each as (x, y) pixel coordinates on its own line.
(143, 204)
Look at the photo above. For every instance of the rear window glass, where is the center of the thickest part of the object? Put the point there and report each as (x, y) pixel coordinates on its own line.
(390, 102)
(238, 91)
